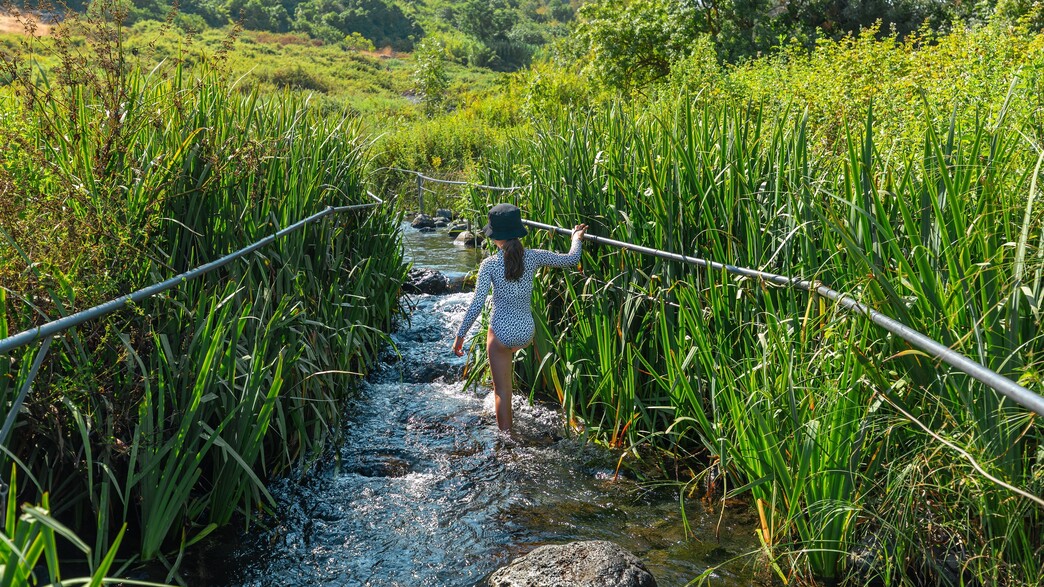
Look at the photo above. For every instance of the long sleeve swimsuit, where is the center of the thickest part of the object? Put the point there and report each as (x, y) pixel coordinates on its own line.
(512, 319)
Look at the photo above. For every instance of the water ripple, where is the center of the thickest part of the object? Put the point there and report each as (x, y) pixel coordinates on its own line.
(426, 491)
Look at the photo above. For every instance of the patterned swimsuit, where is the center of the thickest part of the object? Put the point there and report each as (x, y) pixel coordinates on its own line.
(512, 320)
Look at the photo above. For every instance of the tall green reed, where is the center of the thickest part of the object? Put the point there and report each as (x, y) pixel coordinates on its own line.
(796, 403)
(170, 417)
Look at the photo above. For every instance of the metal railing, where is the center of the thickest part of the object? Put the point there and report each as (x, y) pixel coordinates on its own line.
(46, 332)
(1006, 387)
(421, 178)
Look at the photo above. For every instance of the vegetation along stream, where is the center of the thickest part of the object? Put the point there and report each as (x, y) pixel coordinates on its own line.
(425, 491)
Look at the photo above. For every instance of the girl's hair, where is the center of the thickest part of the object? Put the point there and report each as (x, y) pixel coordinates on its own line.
(513, 252)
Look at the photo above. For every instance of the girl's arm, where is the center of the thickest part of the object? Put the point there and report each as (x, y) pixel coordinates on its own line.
(551, 259)
(482, 285)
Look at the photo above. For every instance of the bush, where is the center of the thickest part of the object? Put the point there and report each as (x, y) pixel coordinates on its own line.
(298, 78)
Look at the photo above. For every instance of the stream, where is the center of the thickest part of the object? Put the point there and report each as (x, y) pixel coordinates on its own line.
(425, 491)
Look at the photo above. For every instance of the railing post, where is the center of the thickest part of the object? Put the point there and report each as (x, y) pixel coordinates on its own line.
(420, 194)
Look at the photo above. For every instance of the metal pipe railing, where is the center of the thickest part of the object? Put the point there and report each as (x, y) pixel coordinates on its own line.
(423, 177)
(49, 330)
(1006, 387)
(71, 321)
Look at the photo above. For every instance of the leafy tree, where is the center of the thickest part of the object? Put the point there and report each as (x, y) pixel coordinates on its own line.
(259, 15)
(1027, 13)
(382, 23)
(500, 26)
(630, 45)
(837, 18)
(561, 10)
(486, 20)
(429, 75)
(633, 43)
(214, 12)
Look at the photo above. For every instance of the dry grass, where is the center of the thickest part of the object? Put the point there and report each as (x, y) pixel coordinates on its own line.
(23, 24)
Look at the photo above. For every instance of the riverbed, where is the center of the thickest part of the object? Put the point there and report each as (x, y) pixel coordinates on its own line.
(424, 490)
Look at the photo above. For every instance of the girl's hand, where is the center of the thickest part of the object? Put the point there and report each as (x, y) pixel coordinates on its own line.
(579, 230)
(458, 346)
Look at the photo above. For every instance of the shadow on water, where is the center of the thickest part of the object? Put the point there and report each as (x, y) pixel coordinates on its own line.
(426, 491)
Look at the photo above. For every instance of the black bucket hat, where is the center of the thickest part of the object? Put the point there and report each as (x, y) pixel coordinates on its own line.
(505, 223)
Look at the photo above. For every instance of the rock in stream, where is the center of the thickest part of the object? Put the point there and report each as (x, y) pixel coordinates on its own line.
(594, 563)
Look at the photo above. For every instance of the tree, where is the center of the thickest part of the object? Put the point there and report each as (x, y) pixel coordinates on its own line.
(837, 18)
(634, 44)
(429, 75)
(486, 20)
(385, 25)
(214, 12)
(259, 15)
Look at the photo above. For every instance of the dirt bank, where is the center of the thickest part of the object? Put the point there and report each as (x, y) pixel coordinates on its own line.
(10, 24)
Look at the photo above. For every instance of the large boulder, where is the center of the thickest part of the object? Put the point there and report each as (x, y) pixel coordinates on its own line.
(595, 563)
(426, 281)
(423, 221)
(469, 239)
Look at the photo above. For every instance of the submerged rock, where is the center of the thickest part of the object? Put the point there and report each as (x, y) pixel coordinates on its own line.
(595, 563)
(426, 281)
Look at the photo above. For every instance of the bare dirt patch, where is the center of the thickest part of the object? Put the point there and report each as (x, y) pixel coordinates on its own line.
(10, 24)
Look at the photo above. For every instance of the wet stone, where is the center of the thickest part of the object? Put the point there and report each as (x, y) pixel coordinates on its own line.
(595, 563)
(444, 213)
(469, 239)
(423, 221)
(429, 373)
(380, 465)
(426, 281)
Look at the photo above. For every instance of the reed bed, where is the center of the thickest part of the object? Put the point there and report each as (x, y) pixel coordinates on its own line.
(153, 427)
(864, 459)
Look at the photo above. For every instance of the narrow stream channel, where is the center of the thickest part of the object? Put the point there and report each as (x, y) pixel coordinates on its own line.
(425, 491)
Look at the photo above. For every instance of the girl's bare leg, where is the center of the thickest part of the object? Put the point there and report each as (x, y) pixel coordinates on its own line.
(501, 367)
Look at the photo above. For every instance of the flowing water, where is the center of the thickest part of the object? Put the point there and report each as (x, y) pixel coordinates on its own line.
(426, 491)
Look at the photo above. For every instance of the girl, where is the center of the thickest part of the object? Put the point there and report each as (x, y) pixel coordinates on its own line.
(511, 273)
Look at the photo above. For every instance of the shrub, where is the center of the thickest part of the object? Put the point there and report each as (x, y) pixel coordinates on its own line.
(298, 78)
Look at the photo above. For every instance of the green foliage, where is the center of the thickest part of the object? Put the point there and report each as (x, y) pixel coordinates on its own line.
(357, 42)
(30, 533)
(171, 416)
(1026, 13)
(429, 75)
(258, 15)
(382, 23)
(636, 43)
(832, 427)
(972, 70)
(501, 35)
(551, 89)
(458, 141)
(298, 78)
(486, 20)
(633, 45)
